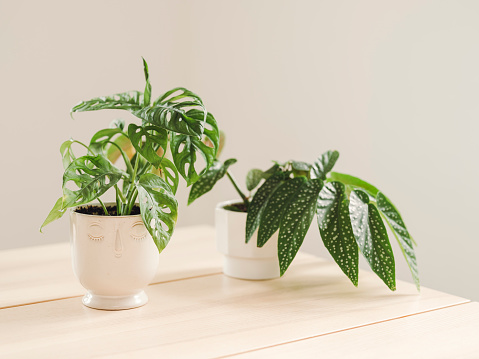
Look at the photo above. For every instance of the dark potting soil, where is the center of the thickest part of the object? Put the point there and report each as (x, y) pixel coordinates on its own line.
(98, 211)
(236, 207)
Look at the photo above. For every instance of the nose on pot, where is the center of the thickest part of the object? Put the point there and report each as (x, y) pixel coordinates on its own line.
(118, 245)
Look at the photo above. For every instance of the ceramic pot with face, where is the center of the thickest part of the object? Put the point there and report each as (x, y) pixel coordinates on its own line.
(244, 260)
(114, 258)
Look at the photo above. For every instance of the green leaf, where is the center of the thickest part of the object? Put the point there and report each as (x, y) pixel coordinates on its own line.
(253, 178)
(67, 153)
(324, 164)
(170, 174)
(94, 175)
(147, 140)
(301, 169)
(56, 213)
(295, 222)
(184, 149)
(372, 238)
(335, 227)
(354, 182)
(274, 209)
(147, 96)
(101, 138)
(209, 179)
(395, 222)
(130, 101)
(260, 200)
(174, 115)
(118, 123)
(159, 208)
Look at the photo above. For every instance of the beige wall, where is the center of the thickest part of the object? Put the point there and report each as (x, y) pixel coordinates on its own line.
(392, 85)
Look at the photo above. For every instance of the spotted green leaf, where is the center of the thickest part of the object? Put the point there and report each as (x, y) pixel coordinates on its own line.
(209, 179)
(94, 175)
(275, 208)
(324, 164)
(336, 230)
(395, 222)
(260, 199)
(296, 221)
(147, 140)
(185, 149)
(158, 207)
(371, 237)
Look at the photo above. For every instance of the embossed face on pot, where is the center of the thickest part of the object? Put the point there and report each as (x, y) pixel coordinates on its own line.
(117, 237)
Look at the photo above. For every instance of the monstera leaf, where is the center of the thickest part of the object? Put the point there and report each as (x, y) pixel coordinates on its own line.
(158, 207)
(372, 238)
(335, 227)
(184, 149)
(170, 174)
(130, 101)
(209, 179)
(296, 220)
(94, 175)
(147, 140)
(324, 164)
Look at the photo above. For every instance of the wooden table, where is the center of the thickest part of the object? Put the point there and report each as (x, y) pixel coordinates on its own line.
(196, 312)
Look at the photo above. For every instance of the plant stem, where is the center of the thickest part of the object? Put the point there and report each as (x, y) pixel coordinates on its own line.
(120, 194)
(235, 185)
(104, 208)
(129, 169)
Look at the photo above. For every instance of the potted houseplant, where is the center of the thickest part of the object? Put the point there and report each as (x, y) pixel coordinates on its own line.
(115, 246)
(351, 216)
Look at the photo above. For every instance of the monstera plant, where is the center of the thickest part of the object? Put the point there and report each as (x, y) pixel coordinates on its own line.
(175, 122)
(351, 214)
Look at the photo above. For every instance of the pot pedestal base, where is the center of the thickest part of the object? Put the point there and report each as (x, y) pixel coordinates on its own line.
(114, 302)
(252, 269)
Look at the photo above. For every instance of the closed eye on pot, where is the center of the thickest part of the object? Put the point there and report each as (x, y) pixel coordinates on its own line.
(138, 231)
(95, 232)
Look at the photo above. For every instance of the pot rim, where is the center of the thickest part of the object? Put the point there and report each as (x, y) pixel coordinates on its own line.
(221, 205)
(73, 211)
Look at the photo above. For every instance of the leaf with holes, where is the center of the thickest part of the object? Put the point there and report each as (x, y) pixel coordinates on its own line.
(335, 227)
(147, 140)
(395, 222)
(94, 175)
(274, 209)
(170, 174)
(67, 153)
(260, 199)
(174, 115)
(371, 237)
(158, 207)
(207, 181)
(184, 149)
(295, 222)
(324, 164)
(101, 138)
(130, 101)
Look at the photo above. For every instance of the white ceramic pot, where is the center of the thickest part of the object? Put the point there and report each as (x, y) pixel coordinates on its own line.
(244, 260)
(114, 258)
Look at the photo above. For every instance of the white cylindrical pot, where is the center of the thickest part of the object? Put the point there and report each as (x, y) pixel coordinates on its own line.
(114, 258)
(244, 260)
